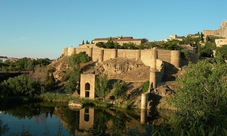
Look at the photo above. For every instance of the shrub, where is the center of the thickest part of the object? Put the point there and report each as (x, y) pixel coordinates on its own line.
(145, 86)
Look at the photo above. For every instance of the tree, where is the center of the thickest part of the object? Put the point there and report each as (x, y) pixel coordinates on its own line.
(201, 95)
(72, 84)
(222, 51)
(50, 80)
(119, 89)
(77, 59)
(202, 37)
(83, 42)
(20, 85)
(74, 62)
(207, 50)
(101, 86)
(87, 42)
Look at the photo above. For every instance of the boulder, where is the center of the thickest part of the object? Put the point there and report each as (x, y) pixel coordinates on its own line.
(75, 105)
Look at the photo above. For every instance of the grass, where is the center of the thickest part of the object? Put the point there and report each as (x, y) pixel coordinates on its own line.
(57, 97)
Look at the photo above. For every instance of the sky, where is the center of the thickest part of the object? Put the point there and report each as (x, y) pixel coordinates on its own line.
(42, 28)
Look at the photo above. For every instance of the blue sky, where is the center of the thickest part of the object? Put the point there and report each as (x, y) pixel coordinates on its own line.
(42, 28)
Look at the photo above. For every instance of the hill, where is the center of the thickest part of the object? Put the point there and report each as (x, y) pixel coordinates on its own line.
(134, 73)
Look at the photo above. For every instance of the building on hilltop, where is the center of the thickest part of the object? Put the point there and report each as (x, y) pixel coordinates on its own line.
(120, 40)
(220, 42)
(221, 32)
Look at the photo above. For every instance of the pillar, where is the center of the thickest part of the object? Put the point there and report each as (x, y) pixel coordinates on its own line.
(143, 101)
(143, 116)
(153, 69)
(175, 58)
(153, 82)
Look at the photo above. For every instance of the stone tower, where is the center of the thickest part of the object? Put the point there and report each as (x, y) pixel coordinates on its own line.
(153, 80)
(87, 86)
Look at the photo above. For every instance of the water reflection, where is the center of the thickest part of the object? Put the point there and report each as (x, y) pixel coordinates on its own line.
(81, 121)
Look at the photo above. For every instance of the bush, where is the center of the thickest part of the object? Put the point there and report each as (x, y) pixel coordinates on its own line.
(145, 86)
(20, 85)
(201, 94)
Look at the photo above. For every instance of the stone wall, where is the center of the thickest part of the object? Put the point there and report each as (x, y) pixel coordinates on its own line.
(100, 54)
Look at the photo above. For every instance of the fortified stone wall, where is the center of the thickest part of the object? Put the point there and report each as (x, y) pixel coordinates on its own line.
(130, 54)
(109, 54)
(100, 54)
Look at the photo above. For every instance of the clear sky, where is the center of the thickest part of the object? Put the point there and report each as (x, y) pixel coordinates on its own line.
(42, 28)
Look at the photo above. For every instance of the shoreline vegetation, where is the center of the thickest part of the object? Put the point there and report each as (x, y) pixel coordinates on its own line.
(64, 98)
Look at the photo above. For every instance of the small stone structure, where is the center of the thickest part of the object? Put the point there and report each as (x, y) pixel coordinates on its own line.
(87, 86)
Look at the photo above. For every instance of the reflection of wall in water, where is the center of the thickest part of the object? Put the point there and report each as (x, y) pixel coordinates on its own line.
(86, 118)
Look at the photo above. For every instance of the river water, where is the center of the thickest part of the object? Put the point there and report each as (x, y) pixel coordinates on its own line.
(51, 119)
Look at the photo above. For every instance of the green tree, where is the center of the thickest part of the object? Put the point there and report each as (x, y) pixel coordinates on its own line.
(119, 88)
(20, 85)
(207, 50)
(201, 95)
(201, 37)
(101, 86)
(222, 51)
(77, 59)
(74, 62)
(72, 84)
(50, 80)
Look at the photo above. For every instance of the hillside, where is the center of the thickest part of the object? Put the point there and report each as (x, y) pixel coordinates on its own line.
(134, 73)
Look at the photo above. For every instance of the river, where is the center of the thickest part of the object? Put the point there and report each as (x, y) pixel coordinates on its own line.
(51, 119)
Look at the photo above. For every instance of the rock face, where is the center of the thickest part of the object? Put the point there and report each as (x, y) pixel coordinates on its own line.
(121, 65)
(121, 68)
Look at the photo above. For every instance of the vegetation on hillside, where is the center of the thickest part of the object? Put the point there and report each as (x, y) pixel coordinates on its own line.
(73, 83)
